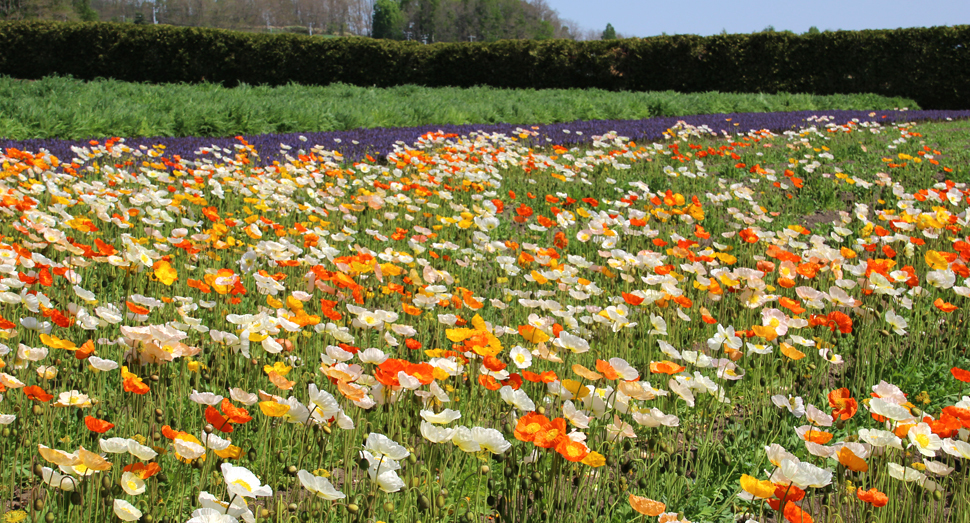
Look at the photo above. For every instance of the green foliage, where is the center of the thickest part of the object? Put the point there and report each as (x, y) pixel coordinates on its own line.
(930, 65)
(609, 33)
(68, 108)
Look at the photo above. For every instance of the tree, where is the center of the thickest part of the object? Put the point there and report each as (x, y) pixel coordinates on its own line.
(84, 11)
(813, 30)
(388, 22)
(609, 33)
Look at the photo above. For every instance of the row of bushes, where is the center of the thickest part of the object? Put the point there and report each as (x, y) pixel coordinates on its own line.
(931, 65)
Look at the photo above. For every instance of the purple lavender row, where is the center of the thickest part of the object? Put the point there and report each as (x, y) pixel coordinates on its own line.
(355, 144)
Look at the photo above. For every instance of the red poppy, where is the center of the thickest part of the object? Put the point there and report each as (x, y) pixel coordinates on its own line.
(960, 374)
(36, 393)
(218, 420)
(235, 414)
(631, 299)
(143, 471)
(97, 425)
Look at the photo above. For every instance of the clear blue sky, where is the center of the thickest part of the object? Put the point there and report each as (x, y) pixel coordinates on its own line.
(707, 17)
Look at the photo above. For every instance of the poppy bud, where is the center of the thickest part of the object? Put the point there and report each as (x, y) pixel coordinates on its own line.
(291, 470)
(292, 507)
(38, 504)
(440, 502)
(353, 508)
(484, 470)
(389, 506)
(49, 517)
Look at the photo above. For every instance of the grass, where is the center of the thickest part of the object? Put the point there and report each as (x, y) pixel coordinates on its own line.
(412, 257)
(57, 107)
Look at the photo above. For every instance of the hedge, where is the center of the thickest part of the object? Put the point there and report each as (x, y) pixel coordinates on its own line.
(930, 65)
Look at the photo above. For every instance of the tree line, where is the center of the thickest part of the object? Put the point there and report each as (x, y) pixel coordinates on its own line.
(421, 20)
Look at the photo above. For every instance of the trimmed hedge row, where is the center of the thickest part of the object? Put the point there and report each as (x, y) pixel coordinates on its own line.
(930, 65)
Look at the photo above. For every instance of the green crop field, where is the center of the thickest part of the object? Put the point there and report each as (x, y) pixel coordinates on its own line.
(58, 107)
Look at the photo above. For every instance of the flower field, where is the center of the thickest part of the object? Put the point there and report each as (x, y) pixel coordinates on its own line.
(731, 318)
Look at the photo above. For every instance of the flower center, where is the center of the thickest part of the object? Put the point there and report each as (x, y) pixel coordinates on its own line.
(923, 440)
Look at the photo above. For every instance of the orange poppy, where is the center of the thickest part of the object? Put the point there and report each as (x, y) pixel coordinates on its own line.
(944, 306)
(606, 370)
(551, 435)
(137, 309)
(572, 450)
(795, 514)
(793, 305)
(489, 382)
(135, 385)
(873, 497)
(529, 425)
(85, 350)
(665, 367)
(817, 436)
(842, 403)
(647, 506)
(852, 462)
(748, 236)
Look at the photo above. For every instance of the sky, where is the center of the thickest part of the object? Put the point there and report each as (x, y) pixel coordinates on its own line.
(707, 17)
